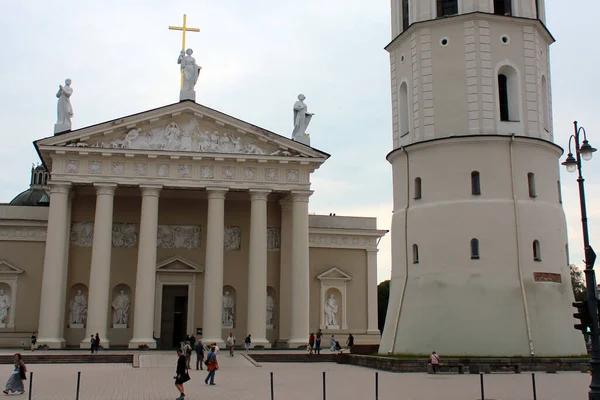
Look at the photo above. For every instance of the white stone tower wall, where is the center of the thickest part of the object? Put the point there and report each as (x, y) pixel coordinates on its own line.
(446, 124)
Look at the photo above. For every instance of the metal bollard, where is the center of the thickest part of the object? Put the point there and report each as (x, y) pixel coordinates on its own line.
(272, 393)
(78, 381)
(482, 391)
(324, 388)
(30, 383)
(376, 385)
(533, 384)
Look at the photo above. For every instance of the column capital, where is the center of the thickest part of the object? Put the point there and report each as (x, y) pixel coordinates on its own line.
(300, 195)
(105, 188)
(151, 190)
(216, 192)
(259, 194)
(59, 187)
(285, 203)
(370, 250)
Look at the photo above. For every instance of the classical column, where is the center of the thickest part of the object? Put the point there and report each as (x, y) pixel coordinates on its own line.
(213, 269)
(372, 311)
(285, 271)
(67, 249)
(257, 268)
(54, 278)
(300, 272)
(143, 321)
(99, 287)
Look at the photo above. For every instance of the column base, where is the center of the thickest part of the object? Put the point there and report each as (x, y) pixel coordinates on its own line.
(85, 343)
(297, 344)
(261, 342)
(373, 332)
(52, 343)
(136, 343)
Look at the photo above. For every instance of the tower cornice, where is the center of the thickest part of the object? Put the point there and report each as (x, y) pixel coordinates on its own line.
(538, 24)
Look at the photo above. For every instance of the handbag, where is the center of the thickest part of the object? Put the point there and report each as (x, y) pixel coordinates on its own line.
(22, 371)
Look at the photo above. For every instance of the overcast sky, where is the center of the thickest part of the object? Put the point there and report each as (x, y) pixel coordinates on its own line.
(256, 57)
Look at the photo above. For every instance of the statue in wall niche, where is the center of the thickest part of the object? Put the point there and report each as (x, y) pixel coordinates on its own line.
(121, 309)
(301, 119)
(78, 309)
(270, 309)
(65, 110)
(331, 309)
(228, 309)
(191, 70)
(4, 306)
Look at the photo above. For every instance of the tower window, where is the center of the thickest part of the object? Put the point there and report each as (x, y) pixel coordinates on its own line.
(537, 255)
(446, 8)
(559, 192)
(474, 249)
(508, 94)
(417, 188)
(545, 106)
(531, 184)
(502, 7)
(403, 109)
(415, 254)
(475, 184)
(405, 21)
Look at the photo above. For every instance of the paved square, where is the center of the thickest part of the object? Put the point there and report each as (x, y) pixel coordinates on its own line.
(238, 379)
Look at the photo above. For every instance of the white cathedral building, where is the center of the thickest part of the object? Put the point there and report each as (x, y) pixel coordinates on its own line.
(479, 239)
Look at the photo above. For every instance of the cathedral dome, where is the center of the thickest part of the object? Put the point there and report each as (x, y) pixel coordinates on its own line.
(36, 194)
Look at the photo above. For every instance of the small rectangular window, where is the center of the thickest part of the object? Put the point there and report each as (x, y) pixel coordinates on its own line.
(474, 249)
(537, 254)
(559, 192)
(417, 188)
(475, 184)
(415, 254)
(502, 7)
(446, 8)
(503, 97)
(405, 22)
(531, 184)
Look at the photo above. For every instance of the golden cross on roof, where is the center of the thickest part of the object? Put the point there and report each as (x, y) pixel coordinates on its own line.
(185, 29)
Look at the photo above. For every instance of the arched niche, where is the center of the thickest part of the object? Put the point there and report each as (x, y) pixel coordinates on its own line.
(77, 306)
(271, 321)
(333, 298)
(229, 307)
(9, 276)
(121, 306)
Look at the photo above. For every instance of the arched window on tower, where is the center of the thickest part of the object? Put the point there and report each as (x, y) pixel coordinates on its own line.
(508, 94)
(417, 188)
(415, 254)
(545, 106)
(405, 21)
(531, 184)
(559, 192)
(475, 184)
(503, 7)
(474, 249)
(446, 8)
(537, 254)
(403, 110)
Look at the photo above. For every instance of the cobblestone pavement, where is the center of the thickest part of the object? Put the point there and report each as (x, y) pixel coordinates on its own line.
(238, 379)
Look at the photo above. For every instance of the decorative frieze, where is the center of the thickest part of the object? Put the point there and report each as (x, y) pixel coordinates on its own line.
(273, 239)
(124, 235)
(249, 173)
(82, 234)
(228, 172)
(185, 171)
(24, 233)
(293, 175)
(271, 174)
(207, 172)
(341, 241)
(233, 238)
(163, 170)
(95, 167)
(141, 169)
(72, 166)
(178, 237)
(118, 168)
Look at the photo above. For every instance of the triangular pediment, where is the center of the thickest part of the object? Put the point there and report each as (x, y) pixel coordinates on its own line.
(179, 264)
(8, 268)
(187, 128)
(334, 273)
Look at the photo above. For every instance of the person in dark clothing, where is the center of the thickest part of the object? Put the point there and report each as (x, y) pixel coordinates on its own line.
(92, 344)
(311, 342)
(182, 375)
(97, 342)
(199, 354)
(350, 341)
(318, 342)
(192, 340)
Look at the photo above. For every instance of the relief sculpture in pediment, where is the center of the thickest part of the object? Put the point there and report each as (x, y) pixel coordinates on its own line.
(187, 138)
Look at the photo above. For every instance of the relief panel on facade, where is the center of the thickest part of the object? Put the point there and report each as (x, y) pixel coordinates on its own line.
(82, 234)
(178, 237)
(124, 235)
(233, 238)
(72, 167)
(273, 239)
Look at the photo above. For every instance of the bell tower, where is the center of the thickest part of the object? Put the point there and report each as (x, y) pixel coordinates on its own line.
(479, 241)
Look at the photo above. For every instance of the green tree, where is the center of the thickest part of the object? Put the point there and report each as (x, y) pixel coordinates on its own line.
(383, 296)
(578, 283)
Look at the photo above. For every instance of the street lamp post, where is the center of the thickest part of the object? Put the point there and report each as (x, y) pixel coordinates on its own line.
(585, 152)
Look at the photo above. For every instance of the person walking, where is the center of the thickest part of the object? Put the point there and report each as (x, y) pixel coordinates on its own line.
(332, 343)
(92, 344)
(231, 343)
(212, 365)
(318, 342)
(199, 354)
(188, 354)
(33, 341)
(350, 342)
(15, 382)
(97, 342)
(248, 342)
(181, 373)
(434, 360)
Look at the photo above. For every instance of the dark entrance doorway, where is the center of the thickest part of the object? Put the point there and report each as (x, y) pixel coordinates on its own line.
(173, 324)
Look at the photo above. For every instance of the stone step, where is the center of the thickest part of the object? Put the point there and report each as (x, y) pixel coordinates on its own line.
(38, 358)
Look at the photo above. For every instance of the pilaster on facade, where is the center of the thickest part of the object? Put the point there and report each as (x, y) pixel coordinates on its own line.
(486, 78)
(531, 122)
(473, 78)
(416, 136)
(426, 82)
